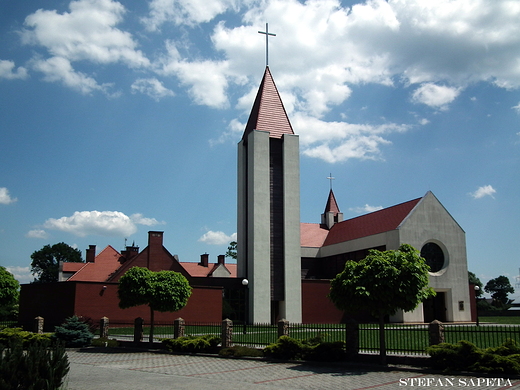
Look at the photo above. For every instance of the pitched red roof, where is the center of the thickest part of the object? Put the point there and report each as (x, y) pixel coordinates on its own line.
(268, 113)
(332, 205)
(367, 225)
(197, 270)
(312, 235)
(72, 267)
(106, 263)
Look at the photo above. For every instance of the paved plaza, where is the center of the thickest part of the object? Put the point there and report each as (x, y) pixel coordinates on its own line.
(118, 369)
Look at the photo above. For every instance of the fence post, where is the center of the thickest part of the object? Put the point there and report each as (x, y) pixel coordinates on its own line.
(138, 330)
(178, 328)
(351, 338)
(436, 332)
(38, 325)
(103, 328)
(227, 333)
(283, 328)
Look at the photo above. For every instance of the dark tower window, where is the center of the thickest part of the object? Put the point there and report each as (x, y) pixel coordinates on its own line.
(434, 256)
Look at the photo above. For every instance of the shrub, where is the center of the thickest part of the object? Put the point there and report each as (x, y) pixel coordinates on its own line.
(73, 332)
(326, 352)
(239, 351)
(206, 343)
(9, 335)
(39, 368)
(286, 348)
(105, 342)
(465, 356)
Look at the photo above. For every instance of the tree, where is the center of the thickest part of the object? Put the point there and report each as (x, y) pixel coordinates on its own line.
(232, 250)
(162, 291)
(45, 262)
(473, 279)
(383, 282)
(499, 288)
(9, 293)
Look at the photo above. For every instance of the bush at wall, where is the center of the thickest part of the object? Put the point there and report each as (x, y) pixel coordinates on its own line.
(73, 332)
(38, 368)
(9, 335)
(206, 343)
(465, 356)
(314, 349)
(239, 351)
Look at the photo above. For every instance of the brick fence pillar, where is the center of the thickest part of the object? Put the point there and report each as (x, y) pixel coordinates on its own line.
(283, 328)
(138, 329)
(178, 328)
(103, 327)
(38, 325)
(352, 338)
(436, 332)
(227, 333)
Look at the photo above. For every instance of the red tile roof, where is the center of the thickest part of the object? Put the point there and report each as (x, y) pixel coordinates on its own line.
(72, 267)
(197, 270)
(268, 113)
(312, 235)
(367, 225)
(106, 262)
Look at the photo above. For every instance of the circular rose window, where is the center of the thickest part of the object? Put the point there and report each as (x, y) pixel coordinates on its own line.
(433, 255)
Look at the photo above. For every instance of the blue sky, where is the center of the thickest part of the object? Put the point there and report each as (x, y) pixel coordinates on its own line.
(120, 118)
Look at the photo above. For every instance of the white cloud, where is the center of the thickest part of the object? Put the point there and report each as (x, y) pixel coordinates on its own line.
(5, 198)
(366, 209)
(103, 223)
(60, 69)
(188, 12)
(87, 32)
(339, 141)
(483, 191)
(37, 233)
(22, 274)
(516, 108)
(151, 87)
(7, 71)
(436, 96)
(217, 238)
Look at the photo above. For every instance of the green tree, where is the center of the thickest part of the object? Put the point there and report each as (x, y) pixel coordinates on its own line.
(162, 291)
(46, 261)
(9, 293)
(473, 279)
(499, 288)
(383, 282)
(232, 250)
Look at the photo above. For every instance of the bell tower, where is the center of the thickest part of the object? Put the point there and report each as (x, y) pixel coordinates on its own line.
(268, 243)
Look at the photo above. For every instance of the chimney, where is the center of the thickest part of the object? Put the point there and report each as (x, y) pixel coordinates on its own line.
(130, 252)
(204, 260)
(221, 259)
(155, 239)
(90, 255)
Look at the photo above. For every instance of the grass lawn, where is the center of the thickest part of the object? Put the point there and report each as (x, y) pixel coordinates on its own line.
(501, 320)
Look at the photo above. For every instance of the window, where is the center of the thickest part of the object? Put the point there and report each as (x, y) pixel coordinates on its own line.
(434, 256)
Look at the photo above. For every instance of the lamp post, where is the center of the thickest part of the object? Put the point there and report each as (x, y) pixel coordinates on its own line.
(477, 288)
(245, 282)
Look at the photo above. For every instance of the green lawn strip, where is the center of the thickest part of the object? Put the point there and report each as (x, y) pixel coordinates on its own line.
(501, 320)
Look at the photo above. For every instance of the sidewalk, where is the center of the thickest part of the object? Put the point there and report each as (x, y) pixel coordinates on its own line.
(119, 369)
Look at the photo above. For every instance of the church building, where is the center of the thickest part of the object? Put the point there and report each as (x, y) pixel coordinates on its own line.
(279, 256)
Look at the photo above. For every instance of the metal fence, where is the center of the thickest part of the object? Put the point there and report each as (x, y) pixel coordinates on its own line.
(483, 336)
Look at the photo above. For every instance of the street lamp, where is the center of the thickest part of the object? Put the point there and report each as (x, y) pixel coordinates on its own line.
(477, 288)
(245, 282)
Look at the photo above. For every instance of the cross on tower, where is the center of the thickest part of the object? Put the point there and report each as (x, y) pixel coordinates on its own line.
(330, 178)
(267, 33)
